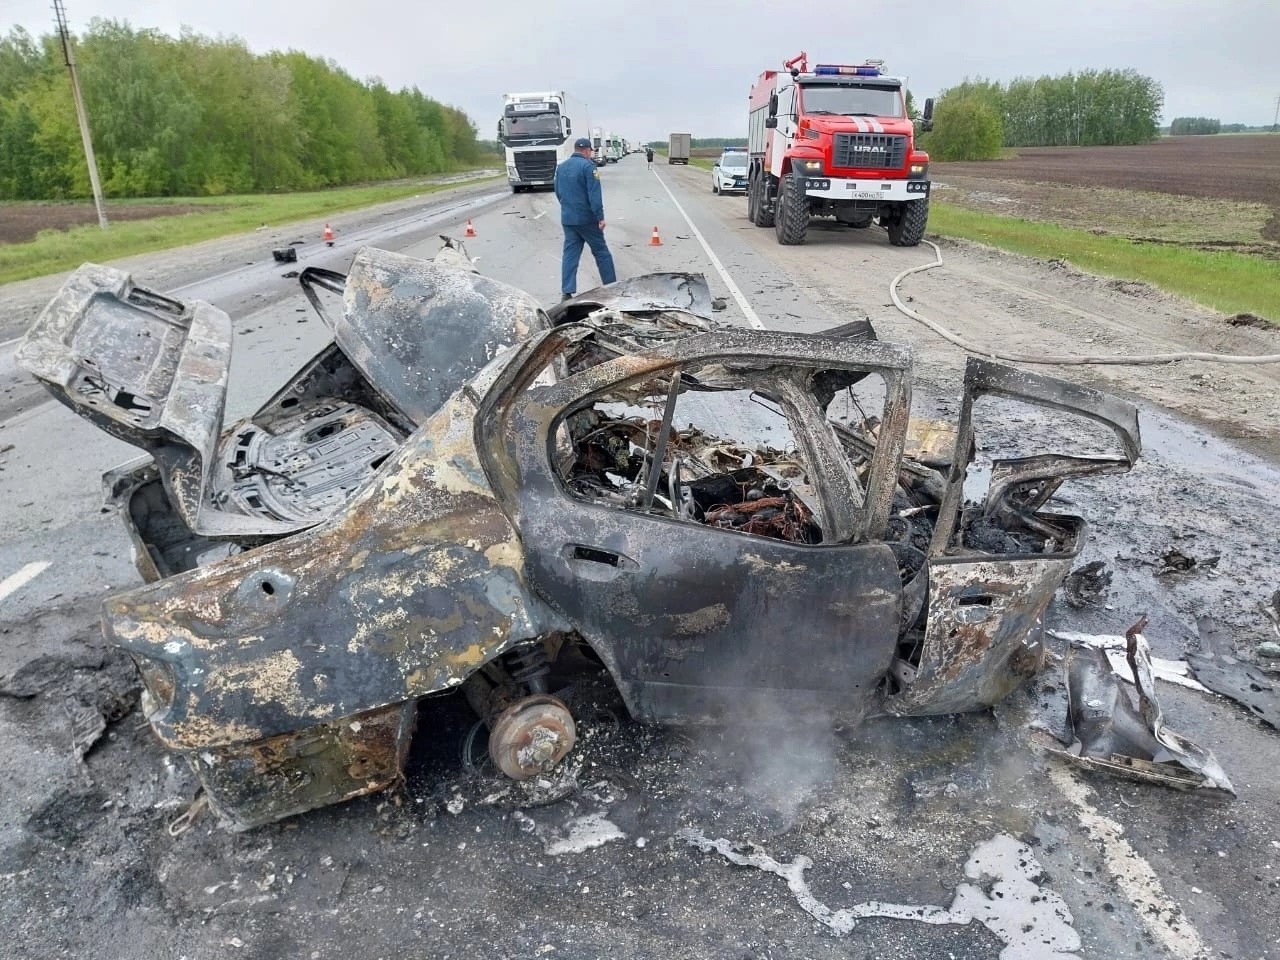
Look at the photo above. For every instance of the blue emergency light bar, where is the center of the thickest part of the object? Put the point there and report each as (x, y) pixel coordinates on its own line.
(832, 69)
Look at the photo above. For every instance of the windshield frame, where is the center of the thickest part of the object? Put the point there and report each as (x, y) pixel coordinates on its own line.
(548, 116)
(741, 157)
(875, 95)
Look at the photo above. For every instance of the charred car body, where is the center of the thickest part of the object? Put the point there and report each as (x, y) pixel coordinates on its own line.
(462, 488)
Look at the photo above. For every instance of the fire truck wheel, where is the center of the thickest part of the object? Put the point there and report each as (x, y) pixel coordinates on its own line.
(757, 212)
(906, 229)
(792, 213)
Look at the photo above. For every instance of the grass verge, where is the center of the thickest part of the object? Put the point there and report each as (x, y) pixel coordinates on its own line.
(1226, 281)
(55, 250)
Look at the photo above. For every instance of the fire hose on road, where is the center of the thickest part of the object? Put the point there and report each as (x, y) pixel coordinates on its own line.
(1112, 359)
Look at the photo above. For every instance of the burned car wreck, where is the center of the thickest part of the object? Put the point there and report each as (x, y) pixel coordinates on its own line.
(463, 489)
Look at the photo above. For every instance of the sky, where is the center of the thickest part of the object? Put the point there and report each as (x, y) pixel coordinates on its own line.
(645, 68)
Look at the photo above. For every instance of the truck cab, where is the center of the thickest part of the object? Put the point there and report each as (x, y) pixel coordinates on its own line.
(835, 141)
(535, 132)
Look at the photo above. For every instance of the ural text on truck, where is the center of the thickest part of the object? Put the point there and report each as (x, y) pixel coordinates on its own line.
(835, 141)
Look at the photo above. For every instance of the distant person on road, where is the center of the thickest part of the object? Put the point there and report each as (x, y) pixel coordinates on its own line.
(648, 155)
(582, 217)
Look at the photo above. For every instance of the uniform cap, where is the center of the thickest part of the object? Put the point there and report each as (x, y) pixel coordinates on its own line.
(580, 143)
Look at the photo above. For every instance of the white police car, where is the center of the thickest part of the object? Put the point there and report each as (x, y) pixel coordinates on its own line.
(729, 175)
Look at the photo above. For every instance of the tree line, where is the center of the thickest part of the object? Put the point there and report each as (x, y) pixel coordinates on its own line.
(975, 119)
(192, 116)
(1192, 126)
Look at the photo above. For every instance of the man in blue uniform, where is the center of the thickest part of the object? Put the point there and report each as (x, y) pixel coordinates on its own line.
(582, 217)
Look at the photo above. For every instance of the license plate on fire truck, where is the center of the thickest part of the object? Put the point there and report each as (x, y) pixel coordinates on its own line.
(864, 194)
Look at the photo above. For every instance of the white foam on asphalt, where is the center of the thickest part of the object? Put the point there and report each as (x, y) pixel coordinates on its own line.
(1032, 921)
(585, 833)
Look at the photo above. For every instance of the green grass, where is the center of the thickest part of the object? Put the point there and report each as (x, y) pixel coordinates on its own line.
(706, 163)
(55, 250)
(1226, 281)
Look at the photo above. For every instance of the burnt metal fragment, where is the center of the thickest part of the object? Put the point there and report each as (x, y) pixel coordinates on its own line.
(1113, 735)
(1088, 584)
(1218, 667)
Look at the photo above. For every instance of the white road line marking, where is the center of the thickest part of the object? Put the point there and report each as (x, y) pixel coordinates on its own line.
(743, 305)
(1163, 918)
(16, 581)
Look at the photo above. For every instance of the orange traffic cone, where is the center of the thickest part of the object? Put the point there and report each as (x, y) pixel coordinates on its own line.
(655, 240)
(471, 231)
(328, 235)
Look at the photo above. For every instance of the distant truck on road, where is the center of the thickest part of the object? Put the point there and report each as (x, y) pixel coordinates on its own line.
(678, 148)
(612, 148)
(536, 132)
(835, 141)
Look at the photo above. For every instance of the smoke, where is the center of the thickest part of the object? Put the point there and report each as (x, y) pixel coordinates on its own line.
(774, 762)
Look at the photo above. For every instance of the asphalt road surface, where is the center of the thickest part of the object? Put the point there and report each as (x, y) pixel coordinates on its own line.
(954, 837)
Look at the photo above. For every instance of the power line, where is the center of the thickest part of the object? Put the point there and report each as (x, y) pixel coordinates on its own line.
(64, 34)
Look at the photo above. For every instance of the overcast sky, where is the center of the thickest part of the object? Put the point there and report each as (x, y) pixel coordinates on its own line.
(648, 67)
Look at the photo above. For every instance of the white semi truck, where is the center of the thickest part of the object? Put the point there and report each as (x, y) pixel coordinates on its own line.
(536, 130)
(613, 148)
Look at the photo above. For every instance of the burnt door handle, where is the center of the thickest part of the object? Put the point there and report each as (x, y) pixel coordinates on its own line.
(595, 555)
(593, 563)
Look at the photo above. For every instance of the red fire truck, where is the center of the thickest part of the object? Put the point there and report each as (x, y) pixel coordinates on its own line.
(835, 141)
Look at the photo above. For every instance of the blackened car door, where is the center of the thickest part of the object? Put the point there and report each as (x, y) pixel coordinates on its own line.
(690, 511)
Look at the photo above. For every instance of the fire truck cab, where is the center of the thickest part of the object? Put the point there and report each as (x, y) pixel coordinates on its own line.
(835, 141)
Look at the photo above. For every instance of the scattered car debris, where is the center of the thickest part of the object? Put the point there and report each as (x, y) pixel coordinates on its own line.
(97, 686)
(1218, 668)
(1087, 585)
(1112, 735)
(1116, 648)
(290, 274)
(1270, 609)
(1007, 897)
(285, 255)
(1174, 560)
(463, 491)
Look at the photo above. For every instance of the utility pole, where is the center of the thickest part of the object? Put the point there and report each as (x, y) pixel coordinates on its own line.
(60, 12)
(1275, 123)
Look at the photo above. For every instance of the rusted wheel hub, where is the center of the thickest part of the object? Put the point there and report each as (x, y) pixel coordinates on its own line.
(531, 736)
